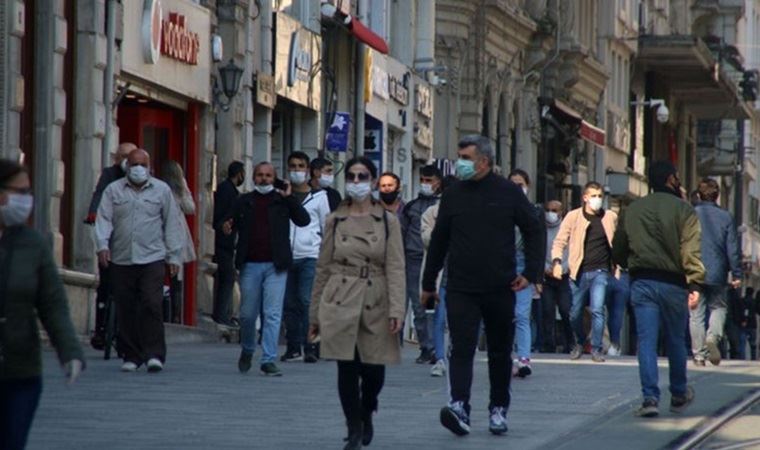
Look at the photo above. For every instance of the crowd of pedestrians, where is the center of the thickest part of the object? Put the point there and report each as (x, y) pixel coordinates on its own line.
(470, 255)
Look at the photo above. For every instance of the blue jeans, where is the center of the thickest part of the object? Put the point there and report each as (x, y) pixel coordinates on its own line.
(439, 325)
(591, 287)
(656, 303)
(297, 300)
(18, 403)
(423, 322)
(523, 303)
(261, 288)
(617, 298)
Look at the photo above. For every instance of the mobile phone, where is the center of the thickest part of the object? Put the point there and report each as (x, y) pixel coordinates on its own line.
(280, 184)
(430, 305)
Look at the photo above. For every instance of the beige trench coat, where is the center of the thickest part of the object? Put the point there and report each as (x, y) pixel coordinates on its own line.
(360, 284)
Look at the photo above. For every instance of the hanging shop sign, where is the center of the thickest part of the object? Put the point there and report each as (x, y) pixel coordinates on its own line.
(423, 100)
(265, 93)
(296, 51)
(173, 48)
(380, 82)
(336, 138)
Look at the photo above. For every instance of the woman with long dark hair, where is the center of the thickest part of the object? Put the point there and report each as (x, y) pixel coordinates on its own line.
(357, 305)
(30, 289)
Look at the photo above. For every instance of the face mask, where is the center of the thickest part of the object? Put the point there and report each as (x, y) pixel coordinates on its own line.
(525, 190)
(17, 210)
(388, 197)
(326, 181)
(595, 203)
(123, 165)
(297, 177)
(426, 189)
(465, 169)
(552, 217)
(264, 189)
(376, 195)
(138, 174)
(358, 191)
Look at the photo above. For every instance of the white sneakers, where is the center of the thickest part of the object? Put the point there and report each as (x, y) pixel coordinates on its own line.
(129, 366)
(439, 369)
(155, 365)
(613, 350)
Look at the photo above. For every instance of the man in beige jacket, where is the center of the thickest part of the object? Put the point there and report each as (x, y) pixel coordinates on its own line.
(587, 234)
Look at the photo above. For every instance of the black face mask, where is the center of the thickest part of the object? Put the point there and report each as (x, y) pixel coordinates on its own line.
(388, 197)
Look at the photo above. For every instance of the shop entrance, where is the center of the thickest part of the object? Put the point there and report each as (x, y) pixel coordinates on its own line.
(167, 134)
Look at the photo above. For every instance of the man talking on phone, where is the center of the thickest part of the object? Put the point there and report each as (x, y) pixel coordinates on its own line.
(263, 256)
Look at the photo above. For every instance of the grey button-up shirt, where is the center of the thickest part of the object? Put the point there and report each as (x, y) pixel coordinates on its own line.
(139, 225)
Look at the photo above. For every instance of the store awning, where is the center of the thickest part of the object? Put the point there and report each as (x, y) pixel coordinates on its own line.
(586, 131)
(365, 35)
(687, 66)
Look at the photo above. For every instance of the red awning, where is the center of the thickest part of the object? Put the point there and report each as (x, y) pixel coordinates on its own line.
(591, 133)
(366, 35)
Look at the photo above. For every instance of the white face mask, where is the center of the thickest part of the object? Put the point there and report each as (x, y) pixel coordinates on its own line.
(426, 189)
(264, 188)
(297, 177)
(326, 180)
(552, 218)
(358, 191)
(138, 174)
(595, 203)
(376, 195)
(124, 165)
(525, 190)
(17, 210)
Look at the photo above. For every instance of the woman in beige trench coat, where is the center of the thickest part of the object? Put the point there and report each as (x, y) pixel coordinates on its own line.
(358, 303)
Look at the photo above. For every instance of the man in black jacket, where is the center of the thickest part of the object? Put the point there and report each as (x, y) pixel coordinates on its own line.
(109, 175)
(224, 245)
(476, 228)
(263, 256)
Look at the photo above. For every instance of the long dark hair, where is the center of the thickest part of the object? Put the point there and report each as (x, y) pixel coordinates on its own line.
(9, 169)
(361, 160)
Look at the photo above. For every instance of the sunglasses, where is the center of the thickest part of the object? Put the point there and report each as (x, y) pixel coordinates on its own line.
(16, 190)
(361, 176)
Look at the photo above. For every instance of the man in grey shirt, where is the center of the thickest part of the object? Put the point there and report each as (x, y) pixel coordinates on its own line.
(138, 232)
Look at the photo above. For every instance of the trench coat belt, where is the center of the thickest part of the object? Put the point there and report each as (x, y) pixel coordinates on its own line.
(358, 271)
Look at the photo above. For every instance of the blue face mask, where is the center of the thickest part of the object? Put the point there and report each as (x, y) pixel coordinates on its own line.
(465, 169)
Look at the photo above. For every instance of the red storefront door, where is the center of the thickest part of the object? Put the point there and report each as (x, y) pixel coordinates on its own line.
(168, 133)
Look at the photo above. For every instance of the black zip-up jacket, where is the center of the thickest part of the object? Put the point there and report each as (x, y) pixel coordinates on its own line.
(108, 176)
(281, 211)
(224, 200)
(476, 227)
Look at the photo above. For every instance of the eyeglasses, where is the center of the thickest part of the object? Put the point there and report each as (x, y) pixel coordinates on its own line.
(361, 176)
(16, 190)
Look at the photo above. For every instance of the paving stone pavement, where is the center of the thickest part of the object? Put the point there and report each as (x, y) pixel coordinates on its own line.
(200, 401)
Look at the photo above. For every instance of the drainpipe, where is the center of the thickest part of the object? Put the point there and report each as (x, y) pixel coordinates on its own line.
(425, 36)
(361, 12)
(108, 82)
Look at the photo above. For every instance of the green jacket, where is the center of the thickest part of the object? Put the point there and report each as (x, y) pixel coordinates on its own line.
(658, 236)
(31, 289)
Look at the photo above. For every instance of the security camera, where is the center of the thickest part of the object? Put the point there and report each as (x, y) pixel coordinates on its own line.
(442, 81)
(663, 114)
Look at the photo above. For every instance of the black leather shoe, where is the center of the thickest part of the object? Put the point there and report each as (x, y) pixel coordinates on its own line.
(354, 435)
(244, 363)
(367, 430)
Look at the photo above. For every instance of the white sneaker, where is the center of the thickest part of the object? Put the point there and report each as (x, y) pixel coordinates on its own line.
(129, 366)
(439, 369)
(155, 365)
(614, 350)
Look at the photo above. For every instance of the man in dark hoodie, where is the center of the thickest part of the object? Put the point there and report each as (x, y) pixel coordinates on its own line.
(658, 241)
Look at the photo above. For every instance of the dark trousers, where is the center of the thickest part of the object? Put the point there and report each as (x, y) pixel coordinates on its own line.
(556, 294)
(295, 313)
(224, 283)
(359, 385)
(139, 294)
(747, 335)
(465, 312)
(18, 403)
(104, 290)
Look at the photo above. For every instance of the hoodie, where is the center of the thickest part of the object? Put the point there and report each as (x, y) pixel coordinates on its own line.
(305, 241)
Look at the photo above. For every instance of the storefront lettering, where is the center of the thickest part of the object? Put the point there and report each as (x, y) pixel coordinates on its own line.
(423, 135)
(177, 42)
(398, 88)
(299, 67)
(423, 101)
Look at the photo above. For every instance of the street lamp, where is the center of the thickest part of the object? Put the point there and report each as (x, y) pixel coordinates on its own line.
(230, 74)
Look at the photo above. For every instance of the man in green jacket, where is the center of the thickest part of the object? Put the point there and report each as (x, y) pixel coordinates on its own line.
(658, 240)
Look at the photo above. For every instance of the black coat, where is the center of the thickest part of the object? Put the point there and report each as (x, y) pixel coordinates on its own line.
(224, 200)
(333, 198)
(476, 228)
(281, 211)
(109, 175)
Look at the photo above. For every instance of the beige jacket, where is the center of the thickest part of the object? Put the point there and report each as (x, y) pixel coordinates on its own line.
(572, 235)
(360, 283)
